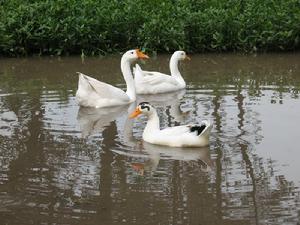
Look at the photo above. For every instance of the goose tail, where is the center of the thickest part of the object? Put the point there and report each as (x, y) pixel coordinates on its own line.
(208, 126)
(203, 129)
(84, 88)
(83, 82)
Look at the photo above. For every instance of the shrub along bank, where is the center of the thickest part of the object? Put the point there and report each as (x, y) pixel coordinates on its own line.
(104, 26)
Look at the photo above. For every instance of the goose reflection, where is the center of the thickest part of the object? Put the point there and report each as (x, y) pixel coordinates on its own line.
(152, 154)
(198, 157)
(93, 120)
(171, 99)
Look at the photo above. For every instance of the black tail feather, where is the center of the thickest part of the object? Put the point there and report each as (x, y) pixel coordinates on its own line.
(199, 129)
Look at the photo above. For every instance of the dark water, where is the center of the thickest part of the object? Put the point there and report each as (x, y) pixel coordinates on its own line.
(63, 165)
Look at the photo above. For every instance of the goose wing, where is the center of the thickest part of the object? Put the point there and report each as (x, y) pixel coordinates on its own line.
(196, 129)
(174, 131)
(156, 78)
(153, 77)
(102, 89)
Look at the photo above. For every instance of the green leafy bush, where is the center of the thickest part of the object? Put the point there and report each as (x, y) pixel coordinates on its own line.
(104, 26)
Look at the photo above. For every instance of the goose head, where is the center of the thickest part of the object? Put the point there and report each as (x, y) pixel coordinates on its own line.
(143, 108)
(133, 55)
(180, 55)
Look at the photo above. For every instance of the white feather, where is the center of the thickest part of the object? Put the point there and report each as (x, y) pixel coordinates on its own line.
(94, 93)
(151, 82)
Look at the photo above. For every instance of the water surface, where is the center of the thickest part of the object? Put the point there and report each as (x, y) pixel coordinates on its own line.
(61, 164)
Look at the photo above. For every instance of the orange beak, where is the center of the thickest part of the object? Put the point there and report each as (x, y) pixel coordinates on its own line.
(139, 167)
(135, 113)
(141, 55)
(186, 57)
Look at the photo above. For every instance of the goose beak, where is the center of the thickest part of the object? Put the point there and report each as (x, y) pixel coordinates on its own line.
(188, 58)
(141, 55)
(135, 113)
(139, 167)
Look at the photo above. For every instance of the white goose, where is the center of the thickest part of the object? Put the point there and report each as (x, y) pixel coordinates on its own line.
(179, 136)
(94, 93)
(147, 82)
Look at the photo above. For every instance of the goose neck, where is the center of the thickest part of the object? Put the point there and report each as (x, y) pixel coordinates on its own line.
(174, 66)
(128, 77)
(175, 71)
(152, 123)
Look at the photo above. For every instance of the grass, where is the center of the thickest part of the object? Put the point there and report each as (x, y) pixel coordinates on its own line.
(98, 27)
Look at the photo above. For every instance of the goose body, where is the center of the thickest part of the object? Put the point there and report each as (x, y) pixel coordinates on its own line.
(192, 135)
(94, 93)
(148, 82)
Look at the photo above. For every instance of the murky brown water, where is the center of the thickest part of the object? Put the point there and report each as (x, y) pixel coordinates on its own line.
(63, 165)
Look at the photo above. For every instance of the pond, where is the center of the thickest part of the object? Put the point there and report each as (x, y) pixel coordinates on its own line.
(61, 164)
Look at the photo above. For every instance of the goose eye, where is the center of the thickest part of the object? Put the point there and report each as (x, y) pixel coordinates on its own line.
(145, 107)
(131, 52)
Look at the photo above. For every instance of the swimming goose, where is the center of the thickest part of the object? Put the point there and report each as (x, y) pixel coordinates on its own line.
(193, 135)
(147, 82)
(94, 93)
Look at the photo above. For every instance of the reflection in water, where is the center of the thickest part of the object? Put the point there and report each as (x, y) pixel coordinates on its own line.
(170, 100)
(93, 120)
(162, 99)
(152, 154)
(248, 175)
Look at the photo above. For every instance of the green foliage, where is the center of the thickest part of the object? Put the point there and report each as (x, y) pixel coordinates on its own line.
(104, 26)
